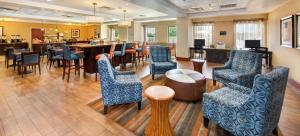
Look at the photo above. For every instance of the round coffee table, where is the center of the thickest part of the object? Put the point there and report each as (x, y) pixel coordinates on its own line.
(159, 124)
(198, 64)
(189, 85)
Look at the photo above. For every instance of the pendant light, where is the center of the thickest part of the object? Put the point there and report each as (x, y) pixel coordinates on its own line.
(94, 19)
(124, 22)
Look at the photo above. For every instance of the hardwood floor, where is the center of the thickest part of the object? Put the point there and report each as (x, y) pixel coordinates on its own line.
(45, 105)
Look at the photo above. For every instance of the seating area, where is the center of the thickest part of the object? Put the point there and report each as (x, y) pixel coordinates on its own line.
(149, 68)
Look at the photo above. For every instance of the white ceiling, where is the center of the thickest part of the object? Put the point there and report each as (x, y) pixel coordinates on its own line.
(75, 11)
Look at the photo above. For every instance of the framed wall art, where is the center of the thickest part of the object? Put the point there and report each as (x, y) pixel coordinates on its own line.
(75, 33)
(287, 31)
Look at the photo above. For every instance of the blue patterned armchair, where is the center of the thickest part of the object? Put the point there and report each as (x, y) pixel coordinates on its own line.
(118, 87)
(160, 60)
(240, 69)
(248, 112)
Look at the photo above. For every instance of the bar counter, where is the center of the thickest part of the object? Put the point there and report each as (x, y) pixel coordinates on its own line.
(91, 51)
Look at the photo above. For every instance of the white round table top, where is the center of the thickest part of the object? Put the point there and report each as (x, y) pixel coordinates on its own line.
(184, 75)
(159, 92)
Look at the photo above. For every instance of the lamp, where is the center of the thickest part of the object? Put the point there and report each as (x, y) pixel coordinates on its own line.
(124, 22)
(94, 19)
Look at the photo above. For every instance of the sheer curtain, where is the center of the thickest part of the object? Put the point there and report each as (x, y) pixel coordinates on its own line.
(203, 31)
(248, 30)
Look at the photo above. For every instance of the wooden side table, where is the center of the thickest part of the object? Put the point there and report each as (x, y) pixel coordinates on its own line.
(198, 64)
(159, 124)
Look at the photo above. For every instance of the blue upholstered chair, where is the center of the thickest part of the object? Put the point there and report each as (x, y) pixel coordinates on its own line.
(118, 87)
(240, 69)
(29, 59)
(160, 60)
(68, 57)
(248, 112)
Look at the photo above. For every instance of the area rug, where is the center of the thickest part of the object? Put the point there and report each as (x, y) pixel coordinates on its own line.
(185, 118)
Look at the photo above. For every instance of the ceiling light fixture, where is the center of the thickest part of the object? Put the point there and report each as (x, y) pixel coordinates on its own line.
(124, 22)
(94, 19)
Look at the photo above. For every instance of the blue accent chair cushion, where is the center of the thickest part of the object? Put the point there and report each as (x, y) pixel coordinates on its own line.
(118, 87)
(248, 112)
(160, 60)
(240, 69)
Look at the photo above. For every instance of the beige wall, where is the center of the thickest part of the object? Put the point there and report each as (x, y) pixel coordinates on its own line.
(226, 23)
(283, 56)
(161, 29)
(24, 30)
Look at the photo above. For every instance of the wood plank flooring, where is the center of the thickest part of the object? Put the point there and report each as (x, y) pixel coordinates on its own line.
(48, 106)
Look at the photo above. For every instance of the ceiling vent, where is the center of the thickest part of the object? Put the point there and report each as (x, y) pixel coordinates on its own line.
(68, 16)
(228, 6)
(197, 9)
(107, 8)
(12, 9)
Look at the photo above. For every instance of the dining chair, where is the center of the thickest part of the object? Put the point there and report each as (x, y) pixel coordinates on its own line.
(8, 55)
(54, 57)
(29, 59)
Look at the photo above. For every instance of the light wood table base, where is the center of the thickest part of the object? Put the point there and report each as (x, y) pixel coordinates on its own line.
(159, 124)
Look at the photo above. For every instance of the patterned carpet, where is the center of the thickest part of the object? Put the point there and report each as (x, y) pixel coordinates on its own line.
(185, 118)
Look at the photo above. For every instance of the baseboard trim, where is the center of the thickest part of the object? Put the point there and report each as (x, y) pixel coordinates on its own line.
(182, 59)
(294, 84)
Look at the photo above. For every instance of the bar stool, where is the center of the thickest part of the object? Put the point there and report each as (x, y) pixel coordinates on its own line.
(140, 52)
(131, 49)
(110, 57)
(121, 54)
(68, 57)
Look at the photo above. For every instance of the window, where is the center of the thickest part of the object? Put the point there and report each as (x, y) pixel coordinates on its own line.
(203, 31)
(114, 34)
(248, 30)
(172, 34)
(150, 34)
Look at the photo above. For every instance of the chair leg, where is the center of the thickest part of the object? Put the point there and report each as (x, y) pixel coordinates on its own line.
(64, 69)
(139, 105)
(69, 71)
(22, 70)
(96, 76)
(105, 109)
(152, 76)
(39, 68)
(214, 82)
(275, 131)
(205, 122)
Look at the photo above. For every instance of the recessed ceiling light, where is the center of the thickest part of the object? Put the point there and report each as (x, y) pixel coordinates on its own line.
(49, 0)
(126, 4)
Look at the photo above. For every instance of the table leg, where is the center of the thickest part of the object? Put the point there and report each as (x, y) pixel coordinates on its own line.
(159, 124)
